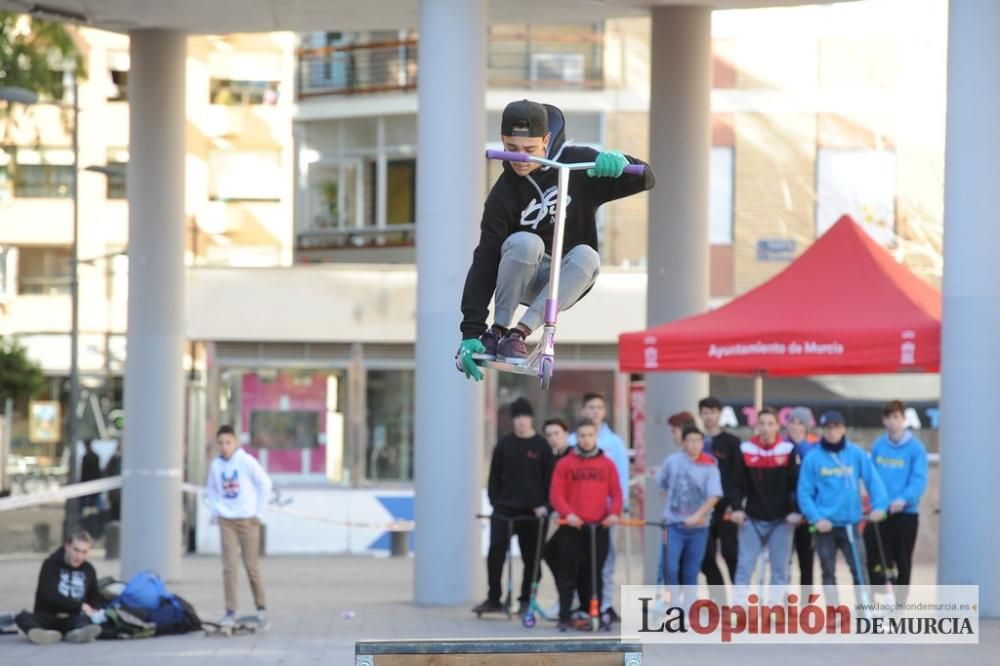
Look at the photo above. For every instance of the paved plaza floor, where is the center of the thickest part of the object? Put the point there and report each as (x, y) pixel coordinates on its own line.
(309, 598)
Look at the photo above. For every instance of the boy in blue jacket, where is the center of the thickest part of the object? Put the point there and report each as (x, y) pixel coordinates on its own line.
(901, 462)
(830, 497)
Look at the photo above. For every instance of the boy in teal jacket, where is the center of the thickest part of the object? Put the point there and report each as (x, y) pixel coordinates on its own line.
(901, 462)
(830, 497)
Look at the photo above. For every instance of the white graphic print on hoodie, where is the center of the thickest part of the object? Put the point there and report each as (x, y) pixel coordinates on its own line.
(238, 487)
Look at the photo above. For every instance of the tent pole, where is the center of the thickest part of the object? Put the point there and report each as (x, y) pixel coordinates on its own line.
(758, 392)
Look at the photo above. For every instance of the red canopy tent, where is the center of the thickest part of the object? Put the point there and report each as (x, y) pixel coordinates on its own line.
(844, 307)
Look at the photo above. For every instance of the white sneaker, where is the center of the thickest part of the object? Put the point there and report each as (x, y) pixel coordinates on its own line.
(228, 620)
(86, 634)
(44, 636)
(262, 622)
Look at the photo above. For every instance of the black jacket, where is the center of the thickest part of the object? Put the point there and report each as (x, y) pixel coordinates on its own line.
(726, 449)
(520, 473)
(90, 467)
(528, 203)
(63, 589)
(766, 480)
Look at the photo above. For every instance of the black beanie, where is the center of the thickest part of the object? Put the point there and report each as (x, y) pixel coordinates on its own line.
(521, 407)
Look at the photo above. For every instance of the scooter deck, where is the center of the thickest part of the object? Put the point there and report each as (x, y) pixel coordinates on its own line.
(503, 366)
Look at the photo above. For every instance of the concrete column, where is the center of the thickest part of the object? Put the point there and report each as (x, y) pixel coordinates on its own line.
(448, 446)
(970, 364)
(154, 370)
(677, 254)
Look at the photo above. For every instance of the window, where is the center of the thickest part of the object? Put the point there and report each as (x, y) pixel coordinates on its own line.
(6, 175)
(117, 165)
(401, 176)
(564, 398)
(43, 270)
(389, 455)
(720, 206)
(334, 189)
(859, 183)
(251, 175)
(118, 67)
(236, 93)
(566, 55)
(42, 172)
(290, 420)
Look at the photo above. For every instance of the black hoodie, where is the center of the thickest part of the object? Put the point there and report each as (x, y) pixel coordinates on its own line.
(528, 203)
(520, 474)
(64, 589)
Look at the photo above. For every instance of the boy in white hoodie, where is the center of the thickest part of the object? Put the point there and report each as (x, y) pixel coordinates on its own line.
(239, 490)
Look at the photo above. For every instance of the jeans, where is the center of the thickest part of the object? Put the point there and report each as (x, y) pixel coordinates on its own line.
(685, 551)
(63, 622)
(827, 545)
(523, 278)
(755, 536)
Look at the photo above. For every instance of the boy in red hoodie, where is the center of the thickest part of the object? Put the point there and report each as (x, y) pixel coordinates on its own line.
(585, 490)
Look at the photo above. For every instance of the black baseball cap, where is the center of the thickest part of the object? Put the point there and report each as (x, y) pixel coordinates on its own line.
(832, 417)
(532, 113)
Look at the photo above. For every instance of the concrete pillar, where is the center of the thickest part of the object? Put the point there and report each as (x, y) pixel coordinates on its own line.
(448, 446)
(154, 370)
(970, 364)
(677, 254)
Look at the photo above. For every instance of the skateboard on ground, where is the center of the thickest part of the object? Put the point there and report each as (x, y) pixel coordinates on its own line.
(242, 626)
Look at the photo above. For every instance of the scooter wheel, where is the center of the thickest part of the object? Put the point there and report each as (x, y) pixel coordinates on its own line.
(528, 620)
(546, 369)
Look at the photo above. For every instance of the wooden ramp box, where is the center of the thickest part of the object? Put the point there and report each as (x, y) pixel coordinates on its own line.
(499, 652)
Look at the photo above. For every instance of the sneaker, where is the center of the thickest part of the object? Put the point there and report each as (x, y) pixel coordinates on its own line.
(612, 614)
(86, 634)
(44, 636)
(489, 606)
(262, 622)
(564, 626)
(491, 340)
(228, 620)
(512, 348)
(605, 621)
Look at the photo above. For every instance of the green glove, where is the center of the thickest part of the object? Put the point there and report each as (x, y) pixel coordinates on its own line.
(464, 361)
(608, 164)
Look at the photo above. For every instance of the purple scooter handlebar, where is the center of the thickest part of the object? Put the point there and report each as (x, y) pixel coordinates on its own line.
(510, 156)
(507, 155)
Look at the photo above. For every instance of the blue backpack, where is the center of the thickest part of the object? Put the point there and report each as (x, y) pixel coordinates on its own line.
(144, 590)
(145, 593)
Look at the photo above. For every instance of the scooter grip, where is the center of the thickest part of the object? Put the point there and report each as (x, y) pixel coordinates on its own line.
(635, 169)
(508, 155)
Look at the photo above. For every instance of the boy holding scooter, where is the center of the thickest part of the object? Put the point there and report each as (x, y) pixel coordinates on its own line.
(586, 492)
(513, 261)
(830, 498)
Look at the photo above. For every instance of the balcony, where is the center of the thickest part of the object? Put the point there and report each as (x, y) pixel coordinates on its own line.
(521, 57)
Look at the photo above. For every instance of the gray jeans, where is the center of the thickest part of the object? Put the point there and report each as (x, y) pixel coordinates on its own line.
(523, 278)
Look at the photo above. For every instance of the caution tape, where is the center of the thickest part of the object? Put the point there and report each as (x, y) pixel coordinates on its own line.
(60, 494)
(115, 482)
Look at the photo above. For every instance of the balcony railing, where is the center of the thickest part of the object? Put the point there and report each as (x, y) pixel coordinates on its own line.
(569, 61)
(358, 68)
(394, 235)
